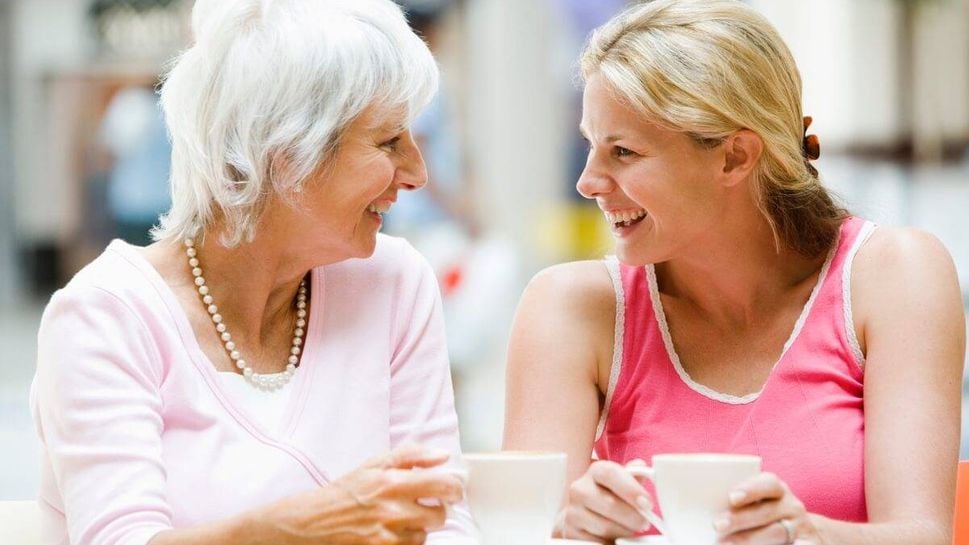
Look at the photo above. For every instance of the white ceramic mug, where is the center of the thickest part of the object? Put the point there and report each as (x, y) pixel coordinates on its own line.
(692, 490)
(514, 496)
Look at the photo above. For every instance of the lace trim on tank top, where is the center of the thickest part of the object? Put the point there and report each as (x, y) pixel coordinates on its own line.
(612, 265)
(675, 358)
(866, 230)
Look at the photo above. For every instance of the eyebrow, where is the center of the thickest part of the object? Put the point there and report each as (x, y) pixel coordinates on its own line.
(610, 138)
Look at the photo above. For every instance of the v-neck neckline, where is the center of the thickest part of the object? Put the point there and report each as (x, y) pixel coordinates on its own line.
(704, 390)
(207, 368)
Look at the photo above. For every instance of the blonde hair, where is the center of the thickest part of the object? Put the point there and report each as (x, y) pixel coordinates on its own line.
(708, 68)
(276, 82)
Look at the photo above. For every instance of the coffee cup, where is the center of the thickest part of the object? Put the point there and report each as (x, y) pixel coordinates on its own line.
(692, 491)
(515, 496)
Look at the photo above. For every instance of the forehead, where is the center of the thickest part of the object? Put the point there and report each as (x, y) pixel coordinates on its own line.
(381, 118)
(605, 110)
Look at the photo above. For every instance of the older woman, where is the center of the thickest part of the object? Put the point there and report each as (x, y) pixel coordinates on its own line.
(257, 374)
(746, 313)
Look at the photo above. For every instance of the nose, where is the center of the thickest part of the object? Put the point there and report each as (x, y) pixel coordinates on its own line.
(593, 181)
(412, 172)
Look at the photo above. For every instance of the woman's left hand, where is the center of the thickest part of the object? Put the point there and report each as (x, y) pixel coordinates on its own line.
(763, 511)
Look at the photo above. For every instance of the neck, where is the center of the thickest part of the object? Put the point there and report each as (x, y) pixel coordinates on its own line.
(253, 284)
(735, 273)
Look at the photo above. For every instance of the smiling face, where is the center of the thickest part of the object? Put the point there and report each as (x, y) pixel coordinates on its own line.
(660, 190)
(342, 205)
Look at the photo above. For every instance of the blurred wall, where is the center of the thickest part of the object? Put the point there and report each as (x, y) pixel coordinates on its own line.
(49, 37)
(880, 73)
(7, 193)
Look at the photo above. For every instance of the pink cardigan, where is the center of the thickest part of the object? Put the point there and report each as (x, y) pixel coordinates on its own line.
(138, 435)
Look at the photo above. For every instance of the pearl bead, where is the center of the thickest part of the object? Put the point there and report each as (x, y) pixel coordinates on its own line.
(271, 382)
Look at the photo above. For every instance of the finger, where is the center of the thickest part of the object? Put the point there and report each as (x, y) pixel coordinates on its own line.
(765, 486)
(617, 480)
(411, 456)
(608, 505)
(596, 525)
(771, 534)
(412, 516)
(749, 517)
(412, 537)
(418, 484)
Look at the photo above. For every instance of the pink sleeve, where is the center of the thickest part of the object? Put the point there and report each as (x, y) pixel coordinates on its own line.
(98, 409)
(421, 396)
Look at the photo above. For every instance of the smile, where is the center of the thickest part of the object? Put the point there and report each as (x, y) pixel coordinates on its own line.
(625, 218)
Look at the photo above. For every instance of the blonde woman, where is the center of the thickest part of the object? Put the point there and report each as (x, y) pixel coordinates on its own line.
(271, 370)
(746, 313)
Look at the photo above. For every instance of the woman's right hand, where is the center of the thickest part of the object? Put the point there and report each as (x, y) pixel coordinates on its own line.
(376, 504)
(604, 504)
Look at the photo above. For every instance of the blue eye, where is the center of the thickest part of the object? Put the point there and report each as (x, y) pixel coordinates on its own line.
(622, 152)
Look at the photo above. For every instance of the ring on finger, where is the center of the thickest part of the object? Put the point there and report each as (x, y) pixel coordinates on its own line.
(788, 531)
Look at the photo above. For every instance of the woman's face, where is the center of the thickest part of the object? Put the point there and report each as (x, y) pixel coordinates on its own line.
(658, 188)
(376, 158)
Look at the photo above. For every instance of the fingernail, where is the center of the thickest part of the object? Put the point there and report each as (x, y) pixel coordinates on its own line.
(644, 503)
(438, 452)
(737, 497)
(721, 524)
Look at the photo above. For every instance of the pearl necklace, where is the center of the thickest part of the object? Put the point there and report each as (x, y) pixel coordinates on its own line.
(271, 382)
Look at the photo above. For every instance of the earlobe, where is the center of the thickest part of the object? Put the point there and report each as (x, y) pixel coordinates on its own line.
(742, 151)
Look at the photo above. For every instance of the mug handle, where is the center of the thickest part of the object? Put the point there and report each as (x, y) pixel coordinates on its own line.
(648, 473)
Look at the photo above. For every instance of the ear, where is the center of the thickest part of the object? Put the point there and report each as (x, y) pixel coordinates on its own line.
(742, 151)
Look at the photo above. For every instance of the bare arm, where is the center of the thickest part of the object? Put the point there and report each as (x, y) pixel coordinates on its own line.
(553, 398)
(909, 316)
(910, 323)
(559, 360)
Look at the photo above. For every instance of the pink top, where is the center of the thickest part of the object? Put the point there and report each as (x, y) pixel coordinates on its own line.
(139, 434)
(807, 423)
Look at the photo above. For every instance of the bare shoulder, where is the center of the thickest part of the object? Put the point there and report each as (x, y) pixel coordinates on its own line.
(902, 254)
(904, 278)
(577, 288)
(567, 314)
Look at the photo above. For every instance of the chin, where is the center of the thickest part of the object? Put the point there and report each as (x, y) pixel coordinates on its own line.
(635, 257)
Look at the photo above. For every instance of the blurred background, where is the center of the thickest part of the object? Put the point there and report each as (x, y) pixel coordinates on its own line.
(84, 157)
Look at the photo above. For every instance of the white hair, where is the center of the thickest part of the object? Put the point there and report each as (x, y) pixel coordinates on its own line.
(262, 97)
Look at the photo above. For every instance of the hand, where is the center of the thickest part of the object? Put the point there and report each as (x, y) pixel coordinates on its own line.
(764, 512)
(604, 504)
(386, 501)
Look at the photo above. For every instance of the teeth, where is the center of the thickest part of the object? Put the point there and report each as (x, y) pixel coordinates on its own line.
(381, 208)
(625, 217)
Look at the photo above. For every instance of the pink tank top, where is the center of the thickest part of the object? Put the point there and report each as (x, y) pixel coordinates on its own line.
(807, 423)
